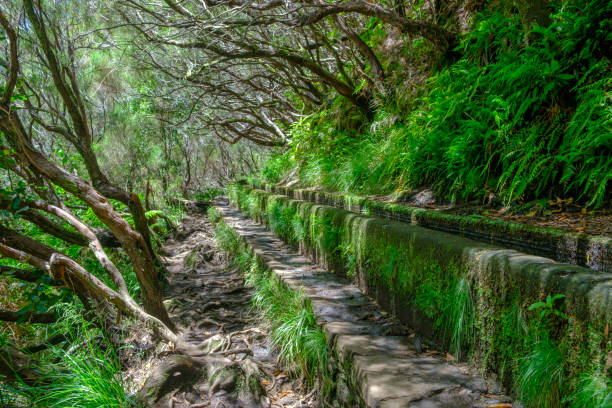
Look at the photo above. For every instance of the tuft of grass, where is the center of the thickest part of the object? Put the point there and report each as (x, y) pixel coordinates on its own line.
(253, 204)
(277, 219)
(85, 375)
(325, 233)
(350, 259)
(298, 229)
(540, 375)
(175, 213)
(227, 239)
(293, 328)
(594, 391)
(213, 215)
(89, 379)
(460, 314)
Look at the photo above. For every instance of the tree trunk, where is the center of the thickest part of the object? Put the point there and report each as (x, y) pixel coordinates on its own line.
(131, 240)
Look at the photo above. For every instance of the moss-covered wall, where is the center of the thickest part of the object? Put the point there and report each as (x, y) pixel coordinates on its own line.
(469, 297)
(592, 251)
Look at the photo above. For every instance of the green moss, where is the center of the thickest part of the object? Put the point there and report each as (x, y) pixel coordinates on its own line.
(495, 230)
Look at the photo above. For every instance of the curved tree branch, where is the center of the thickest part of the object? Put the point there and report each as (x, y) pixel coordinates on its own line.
(432, 32)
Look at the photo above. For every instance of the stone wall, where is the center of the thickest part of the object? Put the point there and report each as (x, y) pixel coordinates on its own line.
(582, 249)
(468, 297)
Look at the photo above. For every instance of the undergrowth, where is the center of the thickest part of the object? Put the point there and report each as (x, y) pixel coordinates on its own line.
(85, 374)
(84, 370)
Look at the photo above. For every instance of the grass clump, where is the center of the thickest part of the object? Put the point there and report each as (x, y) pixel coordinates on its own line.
(325, 233)
(298, 229)
(89, 379)
(227, 239)
(293, 328)
(279, 217)
(594, 391)
(540, 375)
(460, 318)
(84, 374)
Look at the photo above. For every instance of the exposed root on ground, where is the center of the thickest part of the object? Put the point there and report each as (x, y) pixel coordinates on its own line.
(223, 357)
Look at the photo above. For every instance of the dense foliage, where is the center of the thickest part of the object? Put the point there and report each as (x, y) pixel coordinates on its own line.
(524, 115)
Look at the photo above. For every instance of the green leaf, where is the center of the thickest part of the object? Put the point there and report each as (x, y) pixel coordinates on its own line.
(15, 204)
(558, 296)
(537, 305)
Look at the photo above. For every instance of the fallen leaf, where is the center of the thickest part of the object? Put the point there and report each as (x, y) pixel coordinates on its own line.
(500, 405)
(503, 210)
(531, 214)
(449, 357)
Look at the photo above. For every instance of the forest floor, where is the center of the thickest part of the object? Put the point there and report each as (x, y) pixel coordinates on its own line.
(212, 307)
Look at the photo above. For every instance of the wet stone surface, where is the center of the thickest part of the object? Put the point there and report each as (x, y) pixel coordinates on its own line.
(382, 364)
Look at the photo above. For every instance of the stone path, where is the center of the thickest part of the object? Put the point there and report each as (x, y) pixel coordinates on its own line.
(382, 364)
(212, 308)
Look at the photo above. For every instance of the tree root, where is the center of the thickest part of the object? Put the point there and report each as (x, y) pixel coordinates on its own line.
(174, 372)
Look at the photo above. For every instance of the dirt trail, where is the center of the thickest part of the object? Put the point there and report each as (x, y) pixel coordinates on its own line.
(212, 308)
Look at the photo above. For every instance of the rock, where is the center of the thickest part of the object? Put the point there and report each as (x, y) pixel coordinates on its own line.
(423, 198)
(400, 196)
(199, 255)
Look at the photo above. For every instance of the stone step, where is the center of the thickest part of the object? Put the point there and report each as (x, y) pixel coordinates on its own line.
(376, 356)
